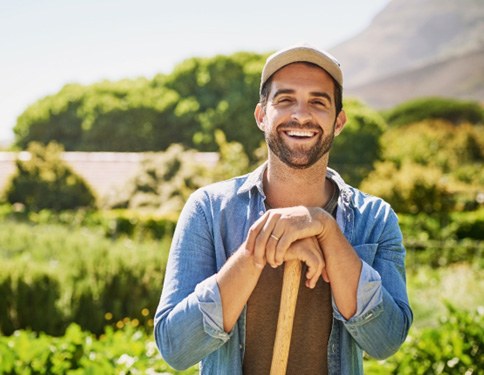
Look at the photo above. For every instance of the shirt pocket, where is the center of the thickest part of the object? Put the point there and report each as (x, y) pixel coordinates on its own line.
(366, 252)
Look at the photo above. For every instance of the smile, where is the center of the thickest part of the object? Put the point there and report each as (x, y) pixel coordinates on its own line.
(301, 133)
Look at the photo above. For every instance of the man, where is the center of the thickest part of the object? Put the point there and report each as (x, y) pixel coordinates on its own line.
(222, 286)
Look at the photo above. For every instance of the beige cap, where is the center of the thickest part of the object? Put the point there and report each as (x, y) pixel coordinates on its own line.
(301, 53)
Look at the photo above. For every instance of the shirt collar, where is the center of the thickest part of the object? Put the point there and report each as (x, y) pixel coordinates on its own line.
(255, 180)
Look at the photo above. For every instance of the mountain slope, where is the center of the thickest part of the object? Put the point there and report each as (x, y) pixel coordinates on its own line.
(409, 35)
(459, 77)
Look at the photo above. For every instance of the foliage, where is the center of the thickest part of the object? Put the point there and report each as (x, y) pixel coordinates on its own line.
(357, 148)
(435, 143)
(164, 183)
(45, 181)
(219, 93)
(232, 159)
(455, 347)
(431, 167)
(411, 189)
(200, 96)
(451, 110)
(75, 274)
(127, 350)
(166, 179)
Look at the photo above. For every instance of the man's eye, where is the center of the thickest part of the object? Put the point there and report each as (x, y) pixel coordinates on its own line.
(283, 101)
(320, 103)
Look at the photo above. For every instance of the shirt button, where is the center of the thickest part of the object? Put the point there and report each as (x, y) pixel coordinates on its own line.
(261, 213)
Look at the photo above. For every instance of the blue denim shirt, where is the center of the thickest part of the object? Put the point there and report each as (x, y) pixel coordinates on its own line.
(212, 226)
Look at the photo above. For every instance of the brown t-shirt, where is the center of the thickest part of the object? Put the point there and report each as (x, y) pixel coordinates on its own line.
(312, 322)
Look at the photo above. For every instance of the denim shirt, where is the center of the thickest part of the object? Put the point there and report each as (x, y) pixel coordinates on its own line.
(213, 225)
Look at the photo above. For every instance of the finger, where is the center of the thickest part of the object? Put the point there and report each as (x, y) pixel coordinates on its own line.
(325, 275)
(316, 262)
(315, 269)
(270, 237)
(263, 240)
(251, 247)
(254, 230)
(307, 251)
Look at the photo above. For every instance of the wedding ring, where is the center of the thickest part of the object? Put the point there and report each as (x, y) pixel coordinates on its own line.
(275, 237)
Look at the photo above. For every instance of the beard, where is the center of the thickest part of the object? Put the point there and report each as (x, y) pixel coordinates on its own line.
(299, 157)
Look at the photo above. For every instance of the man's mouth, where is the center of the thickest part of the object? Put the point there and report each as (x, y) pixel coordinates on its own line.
(300, 133)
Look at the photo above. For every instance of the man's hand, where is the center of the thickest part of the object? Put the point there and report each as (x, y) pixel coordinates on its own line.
(289, 233)
(307, 250)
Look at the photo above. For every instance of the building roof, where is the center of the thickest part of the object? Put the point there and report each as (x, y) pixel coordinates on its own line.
(103, 171)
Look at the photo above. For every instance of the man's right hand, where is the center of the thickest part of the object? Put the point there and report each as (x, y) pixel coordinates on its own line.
(286, 234)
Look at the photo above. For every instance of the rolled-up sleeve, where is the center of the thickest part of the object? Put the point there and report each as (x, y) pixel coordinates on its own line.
(369, 294)
(383, 315)
(189, 318)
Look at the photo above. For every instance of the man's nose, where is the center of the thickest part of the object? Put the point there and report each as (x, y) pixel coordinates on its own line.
(301, 114)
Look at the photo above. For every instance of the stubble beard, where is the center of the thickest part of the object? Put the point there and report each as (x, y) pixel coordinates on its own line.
(300, 157)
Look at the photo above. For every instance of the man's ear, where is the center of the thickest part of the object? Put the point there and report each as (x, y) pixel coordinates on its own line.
(259, 114)
(340, 122)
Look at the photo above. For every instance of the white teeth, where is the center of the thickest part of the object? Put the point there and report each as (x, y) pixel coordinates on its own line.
(299, 133)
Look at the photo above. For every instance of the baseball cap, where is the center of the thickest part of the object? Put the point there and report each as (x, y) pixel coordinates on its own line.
(301, 53)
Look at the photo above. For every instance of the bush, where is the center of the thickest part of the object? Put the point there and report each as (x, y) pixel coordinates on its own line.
(469, 224)
(452, 110)
(411, 189)
(455, 347)
(54, 274)
(126, 350)
(45, 181)
(357, 148)
(164, 183)
(435, 143)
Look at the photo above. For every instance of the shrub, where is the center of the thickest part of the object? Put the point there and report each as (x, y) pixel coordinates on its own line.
(452, 110)
(358, 146)
(411, 189)
(164, 183)
(127, 350)
(53, 275)
(45, 181)
(435, 143)
(455, 347)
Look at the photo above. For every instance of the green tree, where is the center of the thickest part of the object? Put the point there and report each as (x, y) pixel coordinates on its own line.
(186, 106)
(357, 148)
(164, 183)
(54, 118)
(430, 166)
(45, 181)
(219, 93)
(451, 110)
(412, 188)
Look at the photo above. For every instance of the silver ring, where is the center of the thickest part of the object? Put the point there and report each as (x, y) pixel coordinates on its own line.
(275, 237)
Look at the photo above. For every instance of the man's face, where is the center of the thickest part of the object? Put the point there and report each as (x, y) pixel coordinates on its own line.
(299, 120)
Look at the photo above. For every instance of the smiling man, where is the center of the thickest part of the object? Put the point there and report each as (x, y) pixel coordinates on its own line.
(220, 299)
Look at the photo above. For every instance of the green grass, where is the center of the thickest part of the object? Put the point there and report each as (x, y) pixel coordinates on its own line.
(79, 253)
(461, 285)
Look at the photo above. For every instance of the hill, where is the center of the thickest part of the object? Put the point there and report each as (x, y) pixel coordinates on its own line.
(414, 48)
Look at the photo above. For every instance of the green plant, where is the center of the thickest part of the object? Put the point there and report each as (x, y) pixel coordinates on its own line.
(127, 350)
(75, 275)
(452, 110)
(412, 188)
(358, 146)
(45, 181)
(455, 347)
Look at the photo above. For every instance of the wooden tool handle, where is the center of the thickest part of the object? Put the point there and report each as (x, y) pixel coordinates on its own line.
(290, 289)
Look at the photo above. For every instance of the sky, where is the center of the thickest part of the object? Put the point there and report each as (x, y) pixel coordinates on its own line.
(47, 44)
